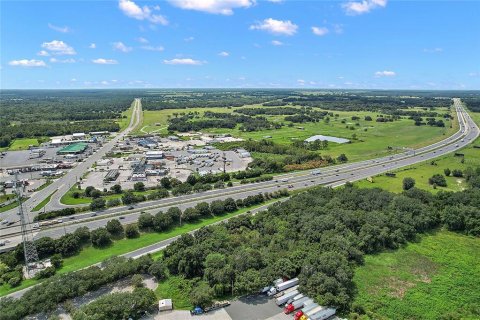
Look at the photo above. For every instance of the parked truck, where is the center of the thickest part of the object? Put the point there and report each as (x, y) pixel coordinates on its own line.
(323, 314)
(283, 299)
(295, 305)
(300, 314)
(283, 286)
(216, 305)
(281, 293)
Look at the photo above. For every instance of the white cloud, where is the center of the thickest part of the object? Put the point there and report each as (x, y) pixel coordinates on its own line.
(319, 31)
(474, 74)
(301, 82)
(120, 46)
(275, 1)
(338, 28)
(224, 7)
(385, 74)
(27, 63)
(104, 61)
(142, 40)
(189, 39)
(152, 48)
(43, 53)
(364, 6)
(92, 46)
(58, 47)
(59, 29)
(73, 80)
(277, 43)
(278, 27)
(132, 10)
(184, 61)
(433, 50)
(55, 60)
(223, 54)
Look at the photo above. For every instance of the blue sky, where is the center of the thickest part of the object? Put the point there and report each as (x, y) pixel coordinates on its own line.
(240, 43)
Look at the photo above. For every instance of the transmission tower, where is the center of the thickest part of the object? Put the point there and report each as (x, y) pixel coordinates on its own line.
(29, 249)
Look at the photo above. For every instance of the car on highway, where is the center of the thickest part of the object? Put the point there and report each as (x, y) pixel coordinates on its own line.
(121, 218)
(94, 215)
(131, 208)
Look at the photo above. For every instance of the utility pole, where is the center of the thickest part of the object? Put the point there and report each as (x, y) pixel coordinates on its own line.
(224, 163)
(29, 249)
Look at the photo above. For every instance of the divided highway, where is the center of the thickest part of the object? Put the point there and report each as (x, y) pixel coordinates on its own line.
(331, 176)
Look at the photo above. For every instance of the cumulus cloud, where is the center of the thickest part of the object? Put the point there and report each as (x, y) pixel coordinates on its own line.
(277, 43)
(55, 60)
(43, 53)
(58, 47)
(319, 31)
(361, 7)
(189, 39)
(224, 7)
(104, 61)
(92, 46)
(142, 40)
(120, 46)
(27, 63)
(152, 48)
(132, 10)
(59, 29)
(278, 27)
(301, 82)
(184, 61)
(385, 74)
(223, 54)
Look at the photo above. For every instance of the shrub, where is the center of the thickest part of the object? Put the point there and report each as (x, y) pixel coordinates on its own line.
(131, 231)
(101, 237)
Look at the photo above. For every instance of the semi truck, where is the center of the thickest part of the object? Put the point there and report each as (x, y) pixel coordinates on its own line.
(287, 296)
(323, 314)
(300, 314)
(295, 305)
(216, 305)
(282, 286)
(281, 293)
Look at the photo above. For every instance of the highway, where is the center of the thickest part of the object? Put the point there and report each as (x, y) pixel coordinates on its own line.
(330, 176)
(63, 184)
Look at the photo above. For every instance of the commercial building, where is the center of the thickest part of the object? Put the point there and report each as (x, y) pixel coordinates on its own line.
(152, 155)
(112, 175)
(75, 148)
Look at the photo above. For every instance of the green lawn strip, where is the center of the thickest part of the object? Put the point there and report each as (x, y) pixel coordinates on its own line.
(46, 184)
(44, 202)
(124, 122)
(90, 255)
(68, 198)
(429, 279)
(11, 205)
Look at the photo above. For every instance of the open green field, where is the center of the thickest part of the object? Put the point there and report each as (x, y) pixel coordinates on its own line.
(435, 278)
(68, 198)
(21, 144)
(424, 170)
(373, 138)
(91, 255)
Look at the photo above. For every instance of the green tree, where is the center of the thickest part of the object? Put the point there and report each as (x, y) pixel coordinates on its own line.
(447, 172)
(116, 188)
(158, 270)
(408, 183)
(201, 294)
(217, 207)
(131, 231)
(145, 221)
(97, 204)
(115, 227)
(203, 209)
(438, 179)
(139, 186)
(101, 237)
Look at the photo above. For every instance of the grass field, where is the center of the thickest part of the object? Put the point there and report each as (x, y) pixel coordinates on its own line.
(90, 255)
(369, 144)
(68, 198)
(44, 202)
(422, 171)
(435, 278)
(21, 144)
(124, 122)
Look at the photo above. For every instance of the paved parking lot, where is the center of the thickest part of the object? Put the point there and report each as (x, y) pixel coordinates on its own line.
(255, 308)
(220, 314)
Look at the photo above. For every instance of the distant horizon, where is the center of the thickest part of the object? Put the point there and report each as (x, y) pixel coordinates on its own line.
(234, 88)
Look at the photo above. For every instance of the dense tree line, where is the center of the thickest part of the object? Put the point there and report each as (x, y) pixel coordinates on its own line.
(45, 296)
(320, 236)
(28, 114)
(473, 104)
